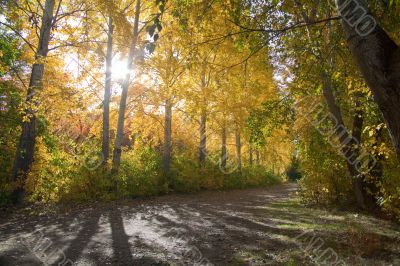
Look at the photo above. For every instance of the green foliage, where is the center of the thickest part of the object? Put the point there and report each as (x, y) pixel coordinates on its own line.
(51, 174)
(154, 29)
(10, 120)
(271, 115)
(256, 176)
(186, 175)
(293, 172)
(389, 194)
(325, 179)
(140, 174)
(58, 176)
(8, 52)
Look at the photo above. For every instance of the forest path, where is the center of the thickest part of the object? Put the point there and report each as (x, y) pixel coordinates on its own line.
(265, 226)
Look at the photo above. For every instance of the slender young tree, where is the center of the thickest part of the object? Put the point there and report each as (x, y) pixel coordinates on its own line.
(167, 136)
(203, 138)
(205, 79)
(224, 152)
(258, 162)
(250, 155)
(125, 86)
(107, 92)
(238, 149)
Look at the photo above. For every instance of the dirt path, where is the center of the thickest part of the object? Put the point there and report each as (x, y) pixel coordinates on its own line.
(245, 227)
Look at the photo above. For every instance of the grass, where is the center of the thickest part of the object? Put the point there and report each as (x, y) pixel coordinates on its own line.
(357, 239)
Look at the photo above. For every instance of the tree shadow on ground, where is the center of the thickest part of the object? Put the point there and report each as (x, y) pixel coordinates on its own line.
(250, 227)
(77, 246)
(120, 240)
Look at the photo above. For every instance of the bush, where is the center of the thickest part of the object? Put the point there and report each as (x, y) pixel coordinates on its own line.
(140, 174)
(57, 175)
(10, 127)
(50, 174)
(326, 184)
(187, 177)
(76, 173)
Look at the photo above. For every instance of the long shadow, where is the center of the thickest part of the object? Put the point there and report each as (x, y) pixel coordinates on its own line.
(120, 240)
(211, 245)
(77, 246)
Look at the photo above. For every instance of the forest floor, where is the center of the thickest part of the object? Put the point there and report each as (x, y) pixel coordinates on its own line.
(265, 226)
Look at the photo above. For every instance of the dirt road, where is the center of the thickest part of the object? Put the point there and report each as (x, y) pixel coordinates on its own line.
(244, 227)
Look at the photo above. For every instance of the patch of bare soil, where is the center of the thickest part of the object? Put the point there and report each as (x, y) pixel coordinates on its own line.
(243, 227)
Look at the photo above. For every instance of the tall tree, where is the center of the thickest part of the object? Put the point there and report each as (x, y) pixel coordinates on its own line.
(203, 138)
(250, 154)
(238, 150)
(125, 86)
(167, 151)
(26, 147)
(107, 92)
(224, 150)
(349, 140)
(378, 58)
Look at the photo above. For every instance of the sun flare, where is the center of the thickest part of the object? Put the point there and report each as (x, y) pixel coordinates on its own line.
(119, 68)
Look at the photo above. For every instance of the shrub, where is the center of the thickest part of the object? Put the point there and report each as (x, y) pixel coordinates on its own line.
(62, 175)
(187, 176)
(140, 174)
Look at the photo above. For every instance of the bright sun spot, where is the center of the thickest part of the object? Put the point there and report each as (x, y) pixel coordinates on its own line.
(119, 68)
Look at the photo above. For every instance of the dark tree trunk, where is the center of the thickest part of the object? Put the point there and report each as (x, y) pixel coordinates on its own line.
(167, 137)
(203, 139)
(125, 86)
(251, 155)
(378, 58)
(358, 122)
(26, 146)
(258, 158)
(107, 93)
(349, 144)
(239, 150)
(224, 153)
(369, 189)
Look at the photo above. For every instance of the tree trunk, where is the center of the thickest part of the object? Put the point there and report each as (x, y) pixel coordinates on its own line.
(107, 93)
(224, 154)
(378, 58)
(167, 137)
(250, 155)
(203, 139)
(369, 199)
(347, 140)
(358, 122)
(26, 146)
(258, 157)
(203, 119)
(239, 151)
(125, 86)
